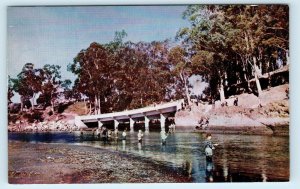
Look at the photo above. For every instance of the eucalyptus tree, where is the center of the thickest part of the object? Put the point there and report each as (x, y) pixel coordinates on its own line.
(10, 89)
(51, 84)
(181, 70)
(233, 43)
(208, 45)
(94, 78)
(141, 74)
(259, 31)
(28, 83)
(67, 90)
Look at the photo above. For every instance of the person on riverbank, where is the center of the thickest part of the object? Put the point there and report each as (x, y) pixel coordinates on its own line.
(209, 147)
(140, 136)
(164, 137)
(236, 101)
(124, 135)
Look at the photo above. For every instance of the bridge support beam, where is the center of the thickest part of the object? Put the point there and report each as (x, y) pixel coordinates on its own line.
(162, 122)
(131, 124)
(147, 120)
(116, 124)
(100, 124)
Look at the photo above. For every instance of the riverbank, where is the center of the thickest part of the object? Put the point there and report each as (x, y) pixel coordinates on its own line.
(268, 114)
(62, 122)
(62, 163)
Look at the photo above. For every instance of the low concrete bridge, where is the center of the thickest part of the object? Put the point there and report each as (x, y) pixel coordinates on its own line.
(160, 111)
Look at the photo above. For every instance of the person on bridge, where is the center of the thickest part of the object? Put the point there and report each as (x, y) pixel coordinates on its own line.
(140, 136)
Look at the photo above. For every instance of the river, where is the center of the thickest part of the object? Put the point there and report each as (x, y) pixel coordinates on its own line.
(237, 158)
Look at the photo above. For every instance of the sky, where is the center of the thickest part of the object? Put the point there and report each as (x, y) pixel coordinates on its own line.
(54, 35)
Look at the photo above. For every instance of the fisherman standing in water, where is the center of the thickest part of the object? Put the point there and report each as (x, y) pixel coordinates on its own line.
(140, 136)
(209, 147)
(109, 135)
(116, 134)
(164, 137)
(104, 135)
(124, 135)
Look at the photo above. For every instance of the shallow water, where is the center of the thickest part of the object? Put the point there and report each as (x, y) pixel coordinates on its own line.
(237, 158)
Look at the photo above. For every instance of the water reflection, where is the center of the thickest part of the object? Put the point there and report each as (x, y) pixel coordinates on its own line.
(123, 145)
(238, 158)
(209, 170)
(187, 166)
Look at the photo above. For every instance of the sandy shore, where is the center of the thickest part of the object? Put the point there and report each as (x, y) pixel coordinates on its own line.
(61, 163)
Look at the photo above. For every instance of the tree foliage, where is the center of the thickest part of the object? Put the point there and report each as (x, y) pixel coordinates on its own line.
(233, 44)
(230, 46)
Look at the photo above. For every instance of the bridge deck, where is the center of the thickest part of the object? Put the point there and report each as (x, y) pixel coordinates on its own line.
(136, 113)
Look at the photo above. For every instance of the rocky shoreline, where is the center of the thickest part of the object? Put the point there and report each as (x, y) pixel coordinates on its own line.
(62, 163)
(266, 115)
(44, 126)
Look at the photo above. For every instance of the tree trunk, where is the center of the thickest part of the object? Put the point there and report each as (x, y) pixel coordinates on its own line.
(52, 106)
(22, 104)
(95, 105)
(90, 108)
(186, 89)
(287, 57)
(221, 91)
(52, 103)
(259, 91)
(187, 95)
(85, 107)
(99, 106)
(32, 102)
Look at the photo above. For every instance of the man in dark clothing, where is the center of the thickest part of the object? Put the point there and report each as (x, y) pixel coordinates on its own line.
(235, 102)
(209, 147)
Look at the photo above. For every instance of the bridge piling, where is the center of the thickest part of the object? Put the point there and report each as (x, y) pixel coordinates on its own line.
(116, 124)
(147, 120)
(162, 122)
(100, 124)
(131, 124)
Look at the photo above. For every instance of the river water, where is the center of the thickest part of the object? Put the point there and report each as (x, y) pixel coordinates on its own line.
(237, 158)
